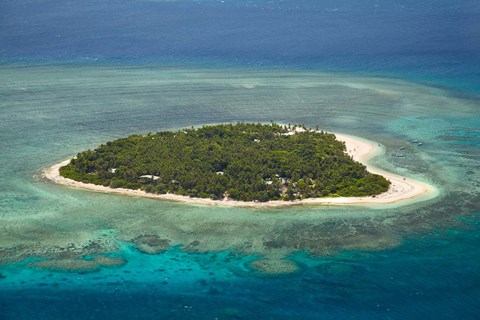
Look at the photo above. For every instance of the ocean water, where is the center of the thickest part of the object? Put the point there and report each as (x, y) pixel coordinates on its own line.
(74, 75)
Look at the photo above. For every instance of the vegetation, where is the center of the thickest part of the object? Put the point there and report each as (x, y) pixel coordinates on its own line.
(246, 162)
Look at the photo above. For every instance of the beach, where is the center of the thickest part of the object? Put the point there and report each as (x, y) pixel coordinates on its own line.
(403, 190)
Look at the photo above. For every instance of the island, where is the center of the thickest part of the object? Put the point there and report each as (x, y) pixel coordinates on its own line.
(242, 164)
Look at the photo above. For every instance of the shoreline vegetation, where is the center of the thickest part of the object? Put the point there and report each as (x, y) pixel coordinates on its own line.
(399, 191)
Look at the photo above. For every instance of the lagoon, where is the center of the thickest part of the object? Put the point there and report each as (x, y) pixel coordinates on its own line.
(76, 74)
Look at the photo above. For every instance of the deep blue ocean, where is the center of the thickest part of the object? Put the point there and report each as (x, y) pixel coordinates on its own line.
(74, 74)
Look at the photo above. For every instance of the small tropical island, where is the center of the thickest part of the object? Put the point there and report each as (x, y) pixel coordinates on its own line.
(246, 162)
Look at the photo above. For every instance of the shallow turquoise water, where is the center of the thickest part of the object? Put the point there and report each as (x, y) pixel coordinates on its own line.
(414, 261)
(140, 66)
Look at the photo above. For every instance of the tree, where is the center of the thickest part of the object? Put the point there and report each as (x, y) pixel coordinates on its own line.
(250, 161)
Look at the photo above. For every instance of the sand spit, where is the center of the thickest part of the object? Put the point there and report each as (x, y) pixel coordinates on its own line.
(402, 191)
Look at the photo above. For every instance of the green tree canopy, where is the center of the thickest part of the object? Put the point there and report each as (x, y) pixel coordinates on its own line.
(243, 161)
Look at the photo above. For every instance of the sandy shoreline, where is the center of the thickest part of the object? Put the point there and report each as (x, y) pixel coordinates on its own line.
(402, 190)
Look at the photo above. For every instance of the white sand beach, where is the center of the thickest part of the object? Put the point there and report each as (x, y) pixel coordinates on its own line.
(403, 190)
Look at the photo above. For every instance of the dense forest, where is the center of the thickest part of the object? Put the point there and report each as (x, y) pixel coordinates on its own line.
(243, 161)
